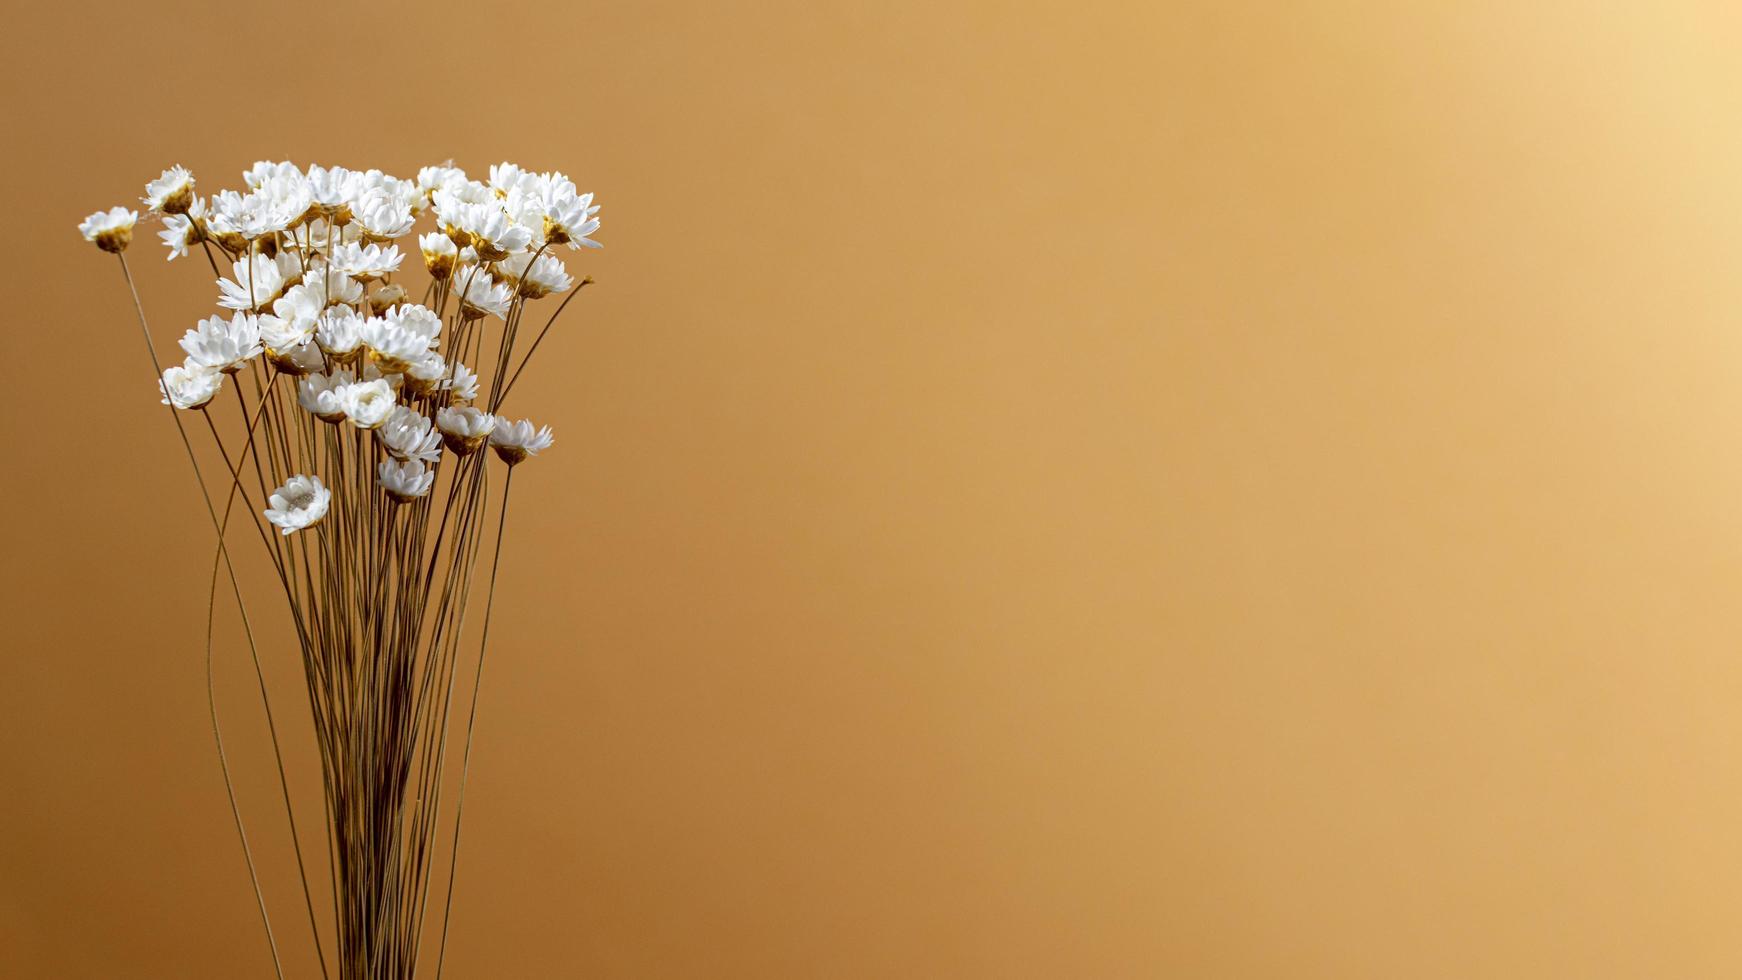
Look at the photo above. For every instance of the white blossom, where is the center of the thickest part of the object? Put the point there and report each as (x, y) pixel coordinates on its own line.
(535, 279)
(258, 281)
(189, 385)
(409, 434)
(221, 346)
(300, 503)
(465, 383)
(367, 403)
(394, 347)
(439, 254)
(482, 296)
(514, 441)
(464, 429)
(322, 395)
(405, 480)
(339, 331)
(366, 262)
(172, 192)
(110, 230)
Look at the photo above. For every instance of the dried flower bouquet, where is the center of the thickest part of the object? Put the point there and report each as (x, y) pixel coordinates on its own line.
(358, 447)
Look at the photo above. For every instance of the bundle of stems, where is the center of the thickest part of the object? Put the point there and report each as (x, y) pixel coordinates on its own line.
(359, 445)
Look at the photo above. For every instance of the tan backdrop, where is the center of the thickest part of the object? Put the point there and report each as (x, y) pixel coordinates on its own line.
(1210, 490)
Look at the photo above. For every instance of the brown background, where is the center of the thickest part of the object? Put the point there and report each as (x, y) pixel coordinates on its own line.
(1160, 490)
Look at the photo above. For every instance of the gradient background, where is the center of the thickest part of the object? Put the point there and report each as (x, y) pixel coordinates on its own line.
(1210, 490)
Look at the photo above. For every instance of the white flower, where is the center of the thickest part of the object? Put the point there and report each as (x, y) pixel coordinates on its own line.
(427, 373)
(394, 347)
(408, 434)
(111, 230)
(489, 229)
(418, 319)
(332, 284)
(307, 305)
(367, 403)
(465, 383)
(514, 441)
(256, 214)
(287, 196)
(366, 262)
(386, 297)
(300, 503)
(300, 307)
(506, 176)
(452, 197)
(384, 215)
(545, 276)
(189, 386)
(432, 179)
(482, 296)
(464, 429)
(406, 480)
(298, 360)
(171, 193)
(259, 280)
(339, 331)
(279, 334)
(568, 217)
(322, 394)
(290, 344)
(439, 253)
(182, 231)
(220, 346)
(263, 170)
(330, 189)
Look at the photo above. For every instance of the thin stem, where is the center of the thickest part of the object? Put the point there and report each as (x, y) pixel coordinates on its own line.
(540, 338)
(471, 723)
(235, 810)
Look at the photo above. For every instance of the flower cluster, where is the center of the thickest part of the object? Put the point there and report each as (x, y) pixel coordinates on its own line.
(308, 263)
(365, 392)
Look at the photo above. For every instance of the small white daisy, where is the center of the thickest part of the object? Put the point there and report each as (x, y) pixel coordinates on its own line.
(490, 231)
(182, 231)
(338, 331)
(465, 383)
(386, 297)
(418, 319)
(300, 503)
(189, 386)
(568, 217)
(259, 280)
(366, 262)
(432, 179)
(383, 215)
(331, 190)
(367, 403)
(171, 193)
(256, 176)
(257, 214)
(409, 434)
(439, 253)
(482, 296)
(407, 480)
(427, 373)
(535, 279)
(391, 346)
(110, 230)
(220, 346)
(322, 394)
(514, 441)
(464, 429)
